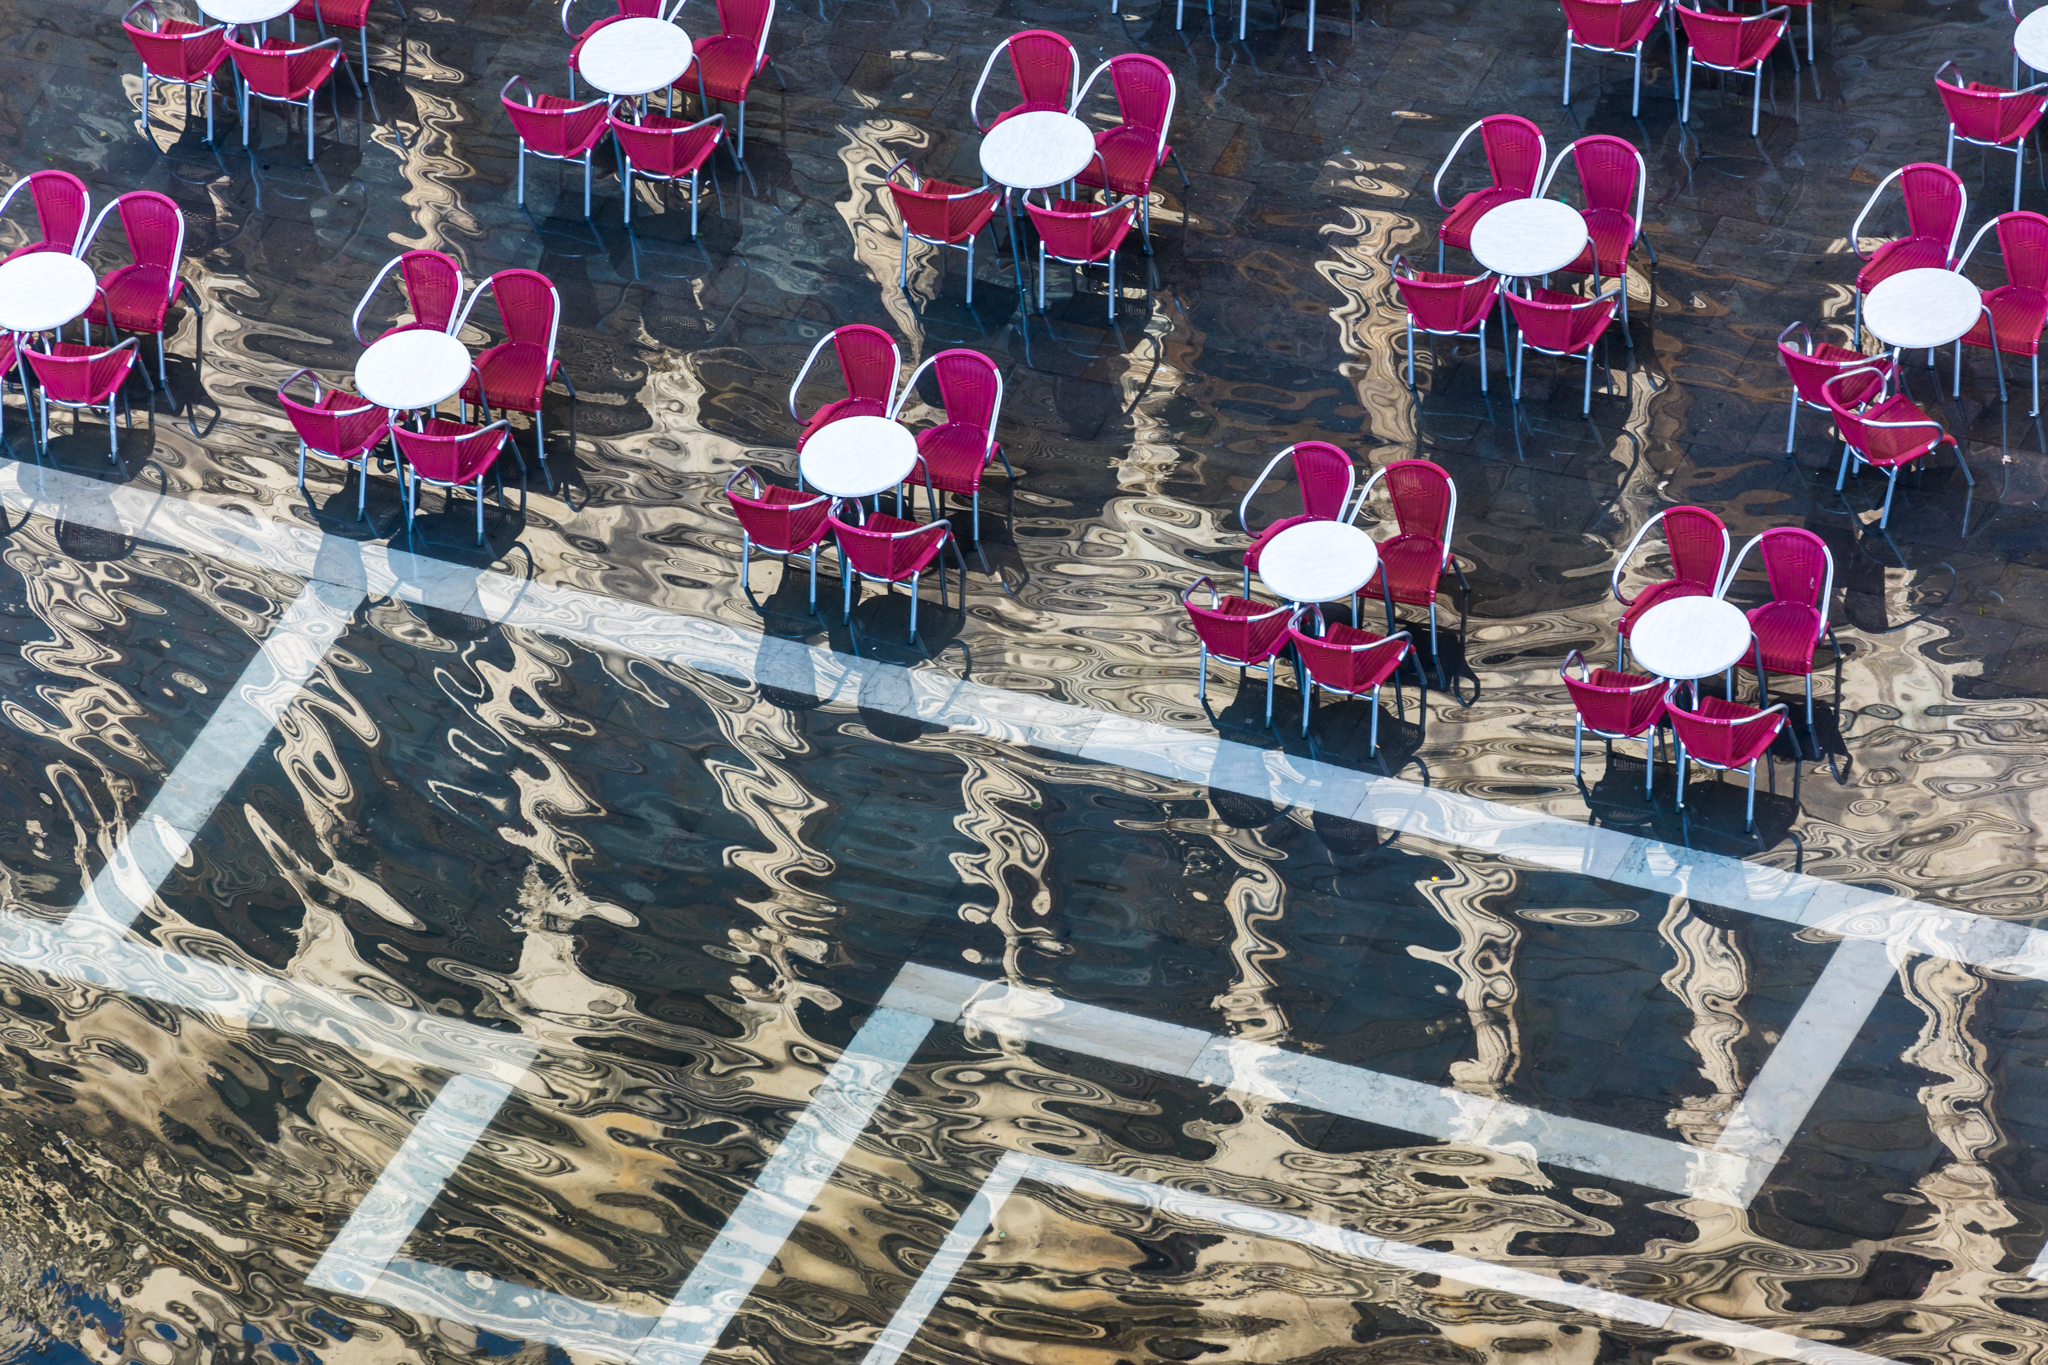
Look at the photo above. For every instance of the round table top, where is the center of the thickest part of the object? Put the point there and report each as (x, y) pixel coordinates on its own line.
(44, 290)
(245, 11)
(415, 369)
(1318, 561)
(635, 56)
(1918, 309)
(857, 457)
(1036, 151)
(1690, 637)
(2030, 40)
(1528, 237)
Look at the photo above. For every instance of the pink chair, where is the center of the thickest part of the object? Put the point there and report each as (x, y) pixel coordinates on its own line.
(1130, 154)
(1735, 43)
(942, 215)
(1724, 735)
(665, 149)
(1787, 629)
(1696, 542)
(79, 377)
(1614, 706)
(1048, 72)
(2017, 310)
(1080, 234)
(557, 129)
(1611, 173)
(727, 61)
(1442, 305)
(1561, 324)
(1990, 116)
(138, 297)
(1350, 662)
(432, 282)
(337, 426)
(450, 455)
(1325, 479)
(889, 550)
(513, 376)
(782, 521)
(956, 454)
(62, 205)
(1935, 204)
(174, 52)
(1886, 433)
(353, 14)
(1614, 28)
(285, 72)
(1237, 631)
(1814, 365)
(1515, 156)
(869, 364)
(1412, 563)
(625, 9)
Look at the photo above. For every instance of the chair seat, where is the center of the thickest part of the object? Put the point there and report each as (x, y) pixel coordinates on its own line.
(1908, 253)
(140, 295)
(838, 408)
(1132, 155)
(1669, 590)
(515, 374)
(1610, 233)
(1788, 633)
(1457, 228)
(1412, 565)
(727, 63)
(955, 454)
(2020, 313)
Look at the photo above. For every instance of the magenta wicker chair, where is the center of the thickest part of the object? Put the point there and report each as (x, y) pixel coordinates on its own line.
(1561, 324)
(1814, 366)
(665, 150)
(2017, 310)
(81, 377)
(1351, 662)
(175, 52)
(1739, 44)
(1614, 706)
(1079, 234)
(1990, 116)
(782, 521)
(1615, 28)
(555, 129)
(1412, 563)
(449, 455)
(1724, 735)
(285, 72)
(941, 214)
(869, 365)
(1613, 179)
(1515, 156)
(1885, 433)
(1130, 154)
(1935, 205)
(1236, 630)
(432, 284)
(336, 425)
(889, 550)
(513, 376)
(1441, 305)
(1696, 542)
(62, 205)
(1048, 72)
(1788, 628)
(726, 62)
(954, 456)
(1325, 479)
(138, 297)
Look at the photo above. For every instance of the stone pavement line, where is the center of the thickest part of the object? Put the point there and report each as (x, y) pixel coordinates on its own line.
(1255, 1221)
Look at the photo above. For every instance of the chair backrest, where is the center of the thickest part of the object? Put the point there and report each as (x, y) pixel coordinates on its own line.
(1047, 68)
(1720, 38)
(970, 388)
(1610, 702)
(1445, 303)
(1144, 94)
(154, 227)
(433, 287)
(450, 452)
(2022, 244)
(1611, 23)
(1514, 151)
(174, 51)
(62, 204)
(1845, 394)
(1235, 627)
(869, 364)
(748, 20)
(663, 146)
(891, 555)
(1612, 176)
(1935, 204)
(1810, 371)
(1797, 564)
(528, 307)
(1988, 113)
(1323, 477)
(75, 374)
(563, 131)
(284, 73)
(1562, 327)
(1073, 231)
(1696, 541)
(772, 523)
(938, 211)
(1342, 657)
(1425, 500)
(1722, 741)
(331, 430)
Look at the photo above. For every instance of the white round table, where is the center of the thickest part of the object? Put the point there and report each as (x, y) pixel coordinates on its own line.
(1689, 638)
(43, 291)
(1036, 151)
(635, 56)
(1917, 310)
(1524, 238)
(1318, 561)
(245, 12)
(417, 369)
(858, 457)
(2030, 40)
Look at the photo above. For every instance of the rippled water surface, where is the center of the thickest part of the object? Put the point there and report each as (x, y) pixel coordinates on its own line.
(687, 897)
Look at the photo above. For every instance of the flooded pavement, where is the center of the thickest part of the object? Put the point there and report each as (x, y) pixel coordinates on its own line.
(551, 950)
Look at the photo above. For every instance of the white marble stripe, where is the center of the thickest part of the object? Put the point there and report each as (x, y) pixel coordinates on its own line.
(817, 1142)
(1030, 1014)
(239, 726)
(945, 1263)
(409, 1185)
(939, 699)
